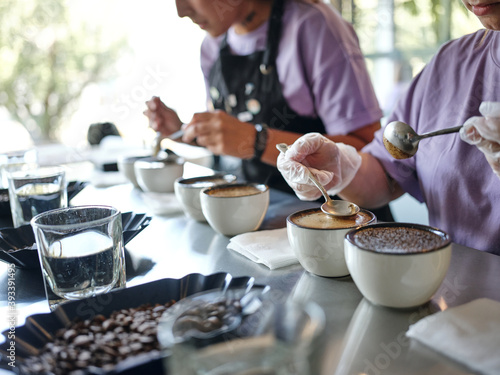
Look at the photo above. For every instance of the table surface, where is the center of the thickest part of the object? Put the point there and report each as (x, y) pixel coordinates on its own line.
(358, 336)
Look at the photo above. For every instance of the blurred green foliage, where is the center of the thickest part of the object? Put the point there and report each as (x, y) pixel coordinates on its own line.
(47, 58)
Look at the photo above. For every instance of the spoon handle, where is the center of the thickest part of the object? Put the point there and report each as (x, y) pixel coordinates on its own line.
(283, 147)
(320, 187)
(442, 131)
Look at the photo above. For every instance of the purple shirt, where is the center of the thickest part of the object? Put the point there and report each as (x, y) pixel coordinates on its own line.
(320, 66)
(452, 177)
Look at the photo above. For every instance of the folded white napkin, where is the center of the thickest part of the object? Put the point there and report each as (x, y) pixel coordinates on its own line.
(269, 247)
(469, 334)
(162, 203)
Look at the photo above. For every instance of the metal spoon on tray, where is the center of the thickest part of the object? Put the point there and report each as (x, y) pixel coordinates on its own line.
(402, 141)
(330, 207)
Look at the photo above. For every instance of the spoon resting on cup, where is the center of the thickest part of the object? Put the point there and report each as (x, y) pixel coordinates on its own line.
(159, 137)
(402, 141)
(330, 207)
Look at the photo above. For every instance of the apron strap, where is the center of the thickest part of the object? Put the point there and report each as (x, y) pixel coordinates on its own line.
(273, 37)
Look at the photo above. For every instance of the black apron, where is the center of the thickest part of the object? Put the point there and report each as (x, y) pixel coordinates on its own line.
(248, 88)
(239, 87)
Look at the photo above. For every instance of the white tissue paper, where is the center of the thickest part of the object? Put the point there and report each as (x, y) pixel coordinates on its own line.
(469, 334)
(268, 247)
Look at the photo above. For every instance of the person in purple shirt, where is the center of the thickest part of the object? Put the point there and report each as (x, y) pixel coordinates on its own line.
(274, 70)
(456, 175)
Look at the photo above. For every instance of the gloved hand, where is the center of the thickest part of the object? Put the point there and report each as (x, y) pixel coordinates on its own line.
(484, 133)
(333, 164)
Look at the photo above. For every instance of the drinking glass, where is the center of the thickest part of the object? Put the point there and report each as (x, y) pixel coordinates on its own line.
(81, 251)
(35, 190)
(15, 159)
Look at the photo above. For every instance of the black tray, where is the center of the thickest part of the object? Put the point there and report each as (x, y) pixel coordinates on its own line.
(17, 245)
(74, 187)
(40, 328)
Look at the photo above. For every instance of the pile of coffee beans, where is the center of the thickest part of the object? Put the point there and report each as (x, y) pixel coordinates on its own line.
(101, 342)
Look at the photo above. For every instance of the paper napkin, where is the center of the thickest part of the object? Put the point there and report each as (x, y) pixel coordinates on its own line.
(469, 334)
(162, 203)
(269, 247)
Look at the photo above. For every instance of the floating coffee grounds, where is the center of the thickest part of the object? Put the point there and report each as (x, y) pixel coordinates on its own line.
(398, 240)
(395, 152)
(100, 342)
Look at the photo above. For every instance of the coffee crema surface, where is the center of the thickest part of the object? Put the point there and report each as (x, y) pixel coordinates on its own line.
(236, 191)
(317, 219)
(398, 240)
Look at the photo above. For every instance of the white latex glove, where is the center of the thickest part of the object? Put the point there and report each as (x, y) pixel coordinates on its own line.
(333, 164)
(484, 133)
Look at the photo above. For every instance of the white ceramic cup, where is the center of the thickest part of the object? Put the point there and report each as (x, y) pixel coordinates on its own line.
(233, 209)
(157, 175)
(187, 191)
(317, 239)
(126, 166)
(397, 265)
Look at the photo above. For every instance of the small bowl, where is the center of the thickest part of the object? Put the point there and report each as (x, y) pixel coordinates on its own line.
(187, 191)
(158, 175)
(126, 166)
(232, 209)
(397, 265)
(317, 239)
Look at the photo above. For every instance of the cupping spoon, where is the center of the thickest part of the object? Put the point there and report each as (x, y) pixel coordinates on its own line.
(159, 137)
(402, 141)
(330, 207)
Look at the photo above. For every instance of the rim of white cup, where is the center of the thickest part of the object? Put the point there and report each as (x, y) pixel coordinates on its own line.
(263, 188)
(446, 240)
(318, 210)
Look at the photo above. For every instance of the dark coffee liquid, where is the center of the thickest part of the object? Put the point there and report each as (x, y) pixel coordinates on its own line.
(398, 240)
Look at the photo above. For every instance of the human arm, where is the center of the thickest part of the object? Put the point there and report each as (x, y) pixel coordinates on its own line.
(484, 133)
(358, 177)
(161, 118)
(223, 134)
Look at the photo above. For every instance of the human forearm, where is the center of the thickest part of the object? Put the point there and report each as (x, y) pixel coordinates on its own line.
(358, 139)
(371, 187)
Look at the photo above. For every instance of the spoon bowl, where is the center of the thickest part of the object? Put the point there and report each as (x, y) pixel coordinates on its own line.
(330, 207)
(402, 141)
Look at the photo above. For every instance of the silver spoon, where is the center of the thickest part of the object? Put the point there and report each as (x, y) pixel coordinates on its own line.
(159, 137)
(402, 142)
(330, 207)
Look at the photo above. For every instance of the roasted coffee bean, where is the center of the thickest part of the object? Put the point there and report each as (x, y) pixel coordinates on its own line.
(100, 343)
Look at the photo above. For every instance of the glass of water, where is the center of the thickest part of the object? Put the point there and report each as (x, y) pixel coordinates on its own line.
(17, 159)
(35, 190)
(81, 251)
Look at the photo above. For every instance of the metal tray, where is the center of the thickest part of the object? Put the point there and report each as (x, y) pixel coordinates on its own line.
(41, 328)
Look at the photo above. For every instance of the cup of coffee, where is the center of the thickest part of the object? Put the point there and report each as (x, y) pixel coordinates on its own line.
(157, 175)
(81, 251)
(317, 239)
(232, 209)
(35, 190)
(187, 191)
(397, 265)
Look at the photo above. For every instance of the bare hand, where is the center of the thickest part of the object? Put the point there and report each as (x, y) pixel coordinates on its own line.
(222, 134)
(161, 118)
